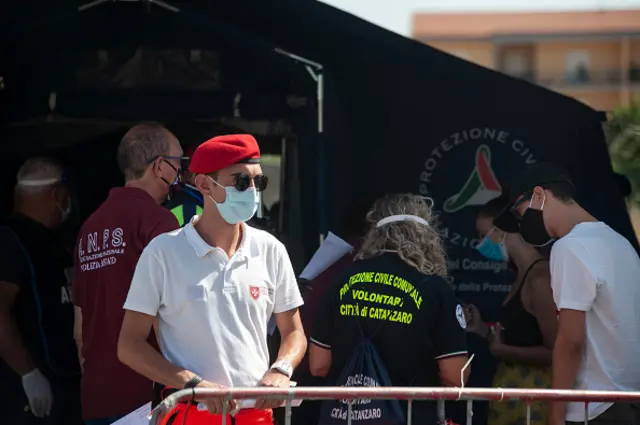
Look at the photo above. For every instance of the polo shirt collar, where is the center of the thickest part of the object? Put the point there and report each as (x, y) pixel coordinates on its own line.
(202, 248)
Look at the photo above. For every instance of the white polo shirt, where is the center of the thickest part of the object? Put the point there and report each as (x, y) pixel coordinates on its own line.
(213, 311)
(596, 270)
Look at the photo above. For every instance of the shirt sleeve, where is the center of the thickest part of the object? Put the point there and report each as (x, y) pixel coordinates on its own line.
(145, 292)
(572, 282)
(14, 266)
(323, 331)
(165, 222)
(288, 295)
(449, 339)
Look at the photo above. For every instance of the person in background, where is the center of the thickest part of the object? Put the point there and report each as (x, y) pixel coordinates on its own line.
(522, 342)
(352, 230)
(185, 201)
(39, 370)
(594, 278)
(418, 333)
(213, 286)
(109, 245)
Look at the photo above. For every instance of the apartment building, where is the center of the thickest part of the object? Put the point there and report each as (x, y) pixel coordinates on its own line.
(592, 56)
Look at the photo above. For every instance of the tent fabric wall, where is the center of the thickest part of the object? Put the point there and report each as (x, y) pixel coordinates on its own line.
(399, 116)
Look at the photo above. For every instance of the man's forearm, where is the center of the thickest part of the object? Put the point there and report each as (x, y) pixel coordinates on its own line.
(293, 347)
(79, 349)
(12, 349)
(539, 355)
(144, 359)
(567, 357)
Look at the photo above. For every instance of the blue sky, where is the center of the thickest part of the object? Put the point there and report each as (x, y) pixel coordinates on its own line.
(395, 15)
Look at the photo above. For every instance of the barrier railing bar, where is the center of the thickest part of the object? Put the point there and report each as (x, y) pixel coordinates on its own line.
(398, 393)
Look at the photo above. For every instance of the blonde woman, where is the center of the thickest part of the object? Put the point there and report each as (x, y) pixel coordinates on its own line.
(393, 300)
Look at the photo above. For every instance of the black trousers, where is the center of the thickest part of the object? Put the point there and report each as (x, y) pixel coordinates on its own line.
(66, 408)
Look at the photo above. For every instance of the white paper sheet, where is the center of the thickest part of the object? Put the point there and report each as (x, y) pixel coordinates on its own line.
(332, 249)
(140, 416)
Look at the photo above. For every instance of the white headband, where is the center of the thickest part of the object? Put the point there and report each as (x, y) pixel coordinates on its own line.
(402, 217)
(40, 182)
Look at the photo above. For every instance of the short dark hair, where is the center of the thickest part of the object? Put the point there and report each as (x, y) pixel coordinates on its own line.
(141, 145)
(562, 191)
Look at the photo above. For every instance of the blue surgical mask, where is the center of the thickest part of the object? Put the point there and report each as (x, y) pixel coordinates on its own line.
(495, 251)
(238, 206)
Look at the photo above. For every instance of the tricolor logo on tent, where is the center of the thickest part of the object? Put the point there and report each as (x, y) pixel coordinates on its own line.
(481, 186)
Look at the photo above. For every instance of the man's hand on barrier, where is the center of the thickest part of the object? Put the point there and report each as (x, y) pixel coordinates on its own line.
(214, 405)
(38, 391)
(273, 379)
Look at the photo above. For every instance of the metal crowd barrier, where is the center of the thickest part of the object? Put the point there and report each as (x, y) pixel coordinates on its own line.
(398, 393)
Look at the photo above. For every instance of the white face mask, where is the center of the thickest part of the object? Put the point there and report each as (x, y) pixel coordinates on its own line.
(237, 206)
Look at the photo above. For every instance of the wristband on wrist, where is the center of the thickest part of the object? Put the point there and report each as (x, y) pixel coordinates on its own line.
(283, 367)
(193, 382)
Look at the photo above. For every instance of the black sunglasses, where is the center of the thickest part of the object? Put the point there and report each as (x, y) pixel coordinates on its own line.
(514, 209)
(242, 181)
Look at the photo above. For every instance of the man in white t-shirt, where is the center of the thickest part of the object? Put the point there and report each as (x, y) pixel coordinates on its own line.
(213, 285)
(595, 280)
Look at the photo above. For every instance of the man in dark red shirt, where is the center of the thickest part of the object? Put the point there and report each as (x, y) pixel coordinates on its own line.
(109, 245)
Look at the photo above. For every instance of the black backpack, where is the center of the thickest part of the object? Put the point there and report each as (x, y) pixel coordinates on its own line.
(364, 369)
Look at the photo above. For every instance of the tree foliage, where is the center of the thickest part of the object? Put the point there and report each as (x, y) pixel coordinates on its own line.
(623, 136)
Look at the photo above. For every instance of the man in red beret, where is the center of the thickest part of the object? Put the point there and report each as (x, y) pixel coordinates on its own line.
(213, 285)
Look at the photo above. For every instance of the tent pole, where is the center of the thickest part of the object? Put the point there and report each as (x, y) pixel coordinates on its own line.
(315, 70)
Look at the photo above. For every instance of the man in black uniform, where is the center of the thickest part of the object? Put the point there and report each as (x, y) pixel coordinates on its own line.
(39, 367)
(396, 296)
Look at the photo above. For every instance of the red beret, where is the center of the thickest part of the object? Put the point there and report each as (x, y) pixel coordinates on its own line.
(224, 151)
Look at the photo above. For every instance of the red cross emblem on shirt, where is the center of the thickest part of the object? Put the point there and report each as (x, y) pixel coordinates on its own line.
(254, 291)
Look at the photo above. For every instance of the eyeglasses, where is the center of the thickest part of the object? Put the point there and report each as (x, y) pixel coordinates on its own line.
(514, 209)
(184, 163)
(183, 160)
(242, 181)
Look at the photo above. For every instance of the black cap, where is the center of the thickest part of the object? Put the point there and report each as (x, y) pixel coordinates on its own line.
(538, 174)
(505, 222)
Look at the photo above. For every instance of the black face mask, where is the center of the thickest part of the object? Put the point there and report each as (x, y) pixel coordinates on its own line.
(532, 228)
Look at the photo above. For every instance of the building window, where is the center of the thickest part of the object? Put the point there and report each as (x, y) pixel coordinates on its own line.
(577, 67)
(516, 64)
